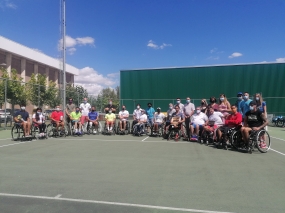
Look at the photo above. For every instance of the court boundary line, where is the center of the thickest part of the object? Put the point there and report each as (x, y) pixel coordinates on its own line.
(12, 144)
(111, 203)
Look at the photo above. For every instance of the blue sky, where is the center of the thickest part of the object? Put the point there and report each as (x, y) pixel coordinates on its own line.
(106, 36)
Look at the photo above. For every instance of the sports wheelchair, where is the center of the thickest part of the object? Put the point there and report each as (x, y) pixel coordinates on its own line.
(229, 136)
(160, 131)
(36, 133)
(105, 130)
(257, 139)
(17, 133)
(126, 130)
(176, 132)
(52, 132)
(140, 129)
(92, 130)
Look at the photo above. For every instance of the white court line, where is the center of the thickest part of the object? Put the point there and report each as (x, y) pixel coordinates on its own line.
(12, 144)
(278, 138)
(277, 151)
(111, 203)
(91, 139)
(145, 138)
(5, 139)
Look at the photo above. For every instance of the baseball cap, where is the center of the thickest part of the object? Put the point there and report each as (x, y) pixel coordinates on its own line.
(239, 93)
(158, 108)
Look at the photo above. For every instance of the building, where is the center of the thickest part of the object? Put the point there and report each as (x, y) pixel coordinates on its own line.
(28, 61)
(162, 86)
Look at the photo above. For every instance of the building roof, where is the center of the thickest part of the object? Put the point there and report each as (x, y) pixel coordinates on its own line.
(31, 54)
(199, 66)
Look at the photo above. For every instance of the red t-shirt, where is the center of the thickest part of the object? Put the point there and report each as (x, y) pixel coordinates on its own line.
(234, 120)
(56, 115)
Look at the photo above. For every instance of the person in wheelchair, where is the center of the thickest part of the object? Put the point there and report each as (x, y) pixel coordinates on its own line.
(123, 115)
(57, 119)
(197, 123)
(39, 121)
(110, 119)
(158, 120)
(136, 115)
(232, 121)
(169, 113)
(139, 127)
(75, 119)
(177, 119)
(254, 120)
(22, 119)
(93, 119)
(214, 122)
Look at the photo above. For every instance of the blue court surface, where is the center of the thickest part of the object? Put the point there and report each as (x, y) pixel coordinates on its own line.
(138, 174)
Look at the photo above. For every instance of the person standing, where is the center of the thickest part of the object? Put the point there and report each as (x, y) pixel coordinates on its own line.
(245, 104)
(85, 109)
(136, 115)
(181, 106)
(109, 107)
(70, 107)
(188, 110)
(150, 112)
(238, 102)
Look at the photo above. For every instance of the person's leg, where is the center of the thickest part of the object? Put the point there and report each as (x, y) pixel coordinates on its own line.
(24, 128)
(187, 125)
(124, 125)
(197, 130)
(121, 125)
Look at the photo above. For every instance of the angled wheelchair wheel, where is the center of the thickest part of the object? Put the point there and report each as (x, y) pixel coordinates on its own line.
(263, 141)
(49, 130)
(15, 132)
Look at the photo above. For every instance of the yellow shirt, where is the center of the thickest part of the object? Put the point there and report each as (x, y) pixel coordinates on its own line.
(110, 117)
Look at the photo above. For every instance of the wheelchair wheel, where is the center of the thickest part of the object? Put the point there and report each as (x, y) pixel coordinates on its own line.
(34, 131)
(15, 132)
(263, 141)
(235, 139)
(50, 130)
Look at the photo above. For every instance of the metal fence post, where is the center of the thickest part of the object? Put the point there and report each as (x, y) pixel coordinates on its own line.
(5, 96)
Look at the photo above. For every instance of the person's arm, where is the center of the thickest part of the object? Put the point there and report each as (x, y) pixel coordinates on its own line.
(28, 119)
(265, 122)
(245, 121)
(265, 109)
(34, 119)
(228, 106)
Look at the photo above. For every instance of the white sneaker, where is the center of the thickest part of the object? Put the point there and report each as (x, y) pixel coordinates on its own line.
(94, 132)
(111, 128)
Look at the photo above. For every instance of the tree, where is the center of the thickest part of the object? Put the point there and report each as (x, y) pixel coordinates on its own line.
(105, 95)
(40, 94)
(17, 92)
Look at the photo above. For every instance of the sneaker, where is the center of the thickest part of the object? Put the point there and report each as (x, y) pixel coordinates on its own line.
(263, 145)
(94, 132)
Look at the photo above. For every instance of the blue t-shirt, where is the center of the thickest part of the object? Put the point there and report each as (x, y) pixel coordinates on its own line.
(149, 112)
(93, 115)
(23, 114)
(261, 107)
(245, 106)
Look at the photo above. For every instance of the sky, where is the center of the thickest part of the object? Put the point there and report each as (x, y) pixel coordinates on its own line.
(106, 36)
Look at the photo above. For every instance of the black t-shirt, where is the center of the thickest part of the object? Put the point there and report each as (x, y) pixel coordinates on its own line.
(110, 106)
(254, 119)
(22, 114)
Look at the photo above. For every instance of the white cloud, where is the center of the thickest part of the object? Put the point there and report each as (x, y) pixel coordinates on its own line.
(213, 50)
(235, 55)
(280, 60)
(152, 45)
(7, 4)
(94, 82)
(71, 43)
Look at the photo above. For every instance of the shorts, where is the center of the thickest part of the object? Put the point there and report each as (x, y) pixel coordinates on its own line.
(200, 126)
(213, 128)
(158, 123)
(73, 121)
(83, 118)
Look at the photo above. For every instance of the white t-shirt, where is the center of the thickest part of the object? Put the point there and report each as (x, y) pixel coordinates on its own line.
(41, 116)
(199, 119)
(158, 118)
(124, 113)
(137, 113)
(217, 118)
(143, 117)
(85, 108)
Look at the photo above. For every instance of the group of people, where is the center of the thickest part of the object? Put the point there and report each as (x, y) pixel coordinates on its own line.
(215, 117)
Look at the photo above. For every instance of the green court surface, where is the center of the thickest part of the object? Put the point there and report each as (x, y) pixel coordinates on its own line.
(138, 174)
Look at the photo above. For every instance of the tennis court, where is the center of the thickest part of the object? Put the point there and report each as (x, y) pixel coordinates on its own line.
(138, 174)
